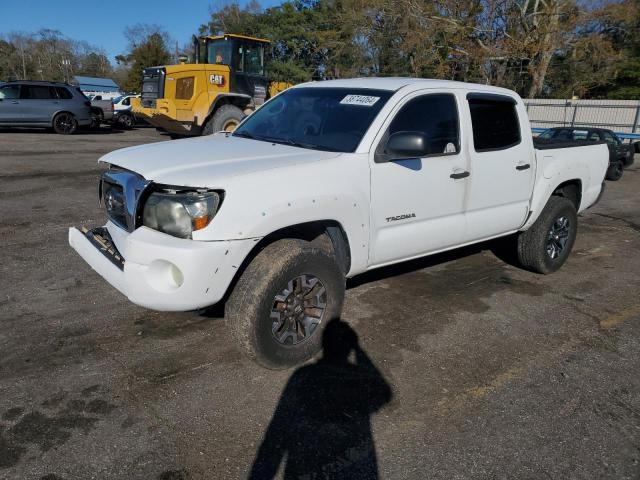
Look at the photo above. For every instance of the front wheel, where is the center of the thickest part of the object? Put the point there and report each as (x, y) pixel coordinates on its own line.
(283, 301)
(226, 119)
(615, 171)
(546, 245)
(64, 123)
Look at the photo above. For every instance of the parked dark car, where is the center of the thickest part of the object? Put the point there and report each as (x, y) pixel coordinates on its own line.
(620, 154)
(60, 106)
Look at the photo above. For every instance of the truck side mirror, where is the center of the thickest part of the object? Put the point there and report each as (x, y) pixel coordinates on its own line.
(402, 145)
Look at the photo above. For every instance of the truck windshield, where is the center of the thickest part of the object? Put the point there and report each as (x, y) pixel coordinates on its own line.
(332, 119)
(219, 51)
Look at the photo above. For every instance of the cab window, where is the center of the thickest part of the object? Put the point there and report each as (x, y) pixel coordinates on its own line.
(253, 59)
(219, 52)
(495, 122)
(434, 115)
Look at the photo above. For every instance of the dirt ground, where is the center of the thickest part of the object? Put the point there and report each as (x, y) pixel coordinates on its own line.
(482, 370)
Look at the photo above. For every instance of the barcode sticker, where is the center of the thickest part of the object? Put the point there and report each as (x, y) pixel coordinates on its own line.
(364, 100)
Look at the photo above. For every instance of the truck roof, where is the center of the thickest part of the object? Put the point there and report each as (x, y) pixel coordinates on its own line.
(396, 83)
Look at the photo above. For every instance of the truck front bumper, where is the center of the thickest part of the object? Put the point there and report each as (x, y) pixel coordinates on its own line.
(157, 271)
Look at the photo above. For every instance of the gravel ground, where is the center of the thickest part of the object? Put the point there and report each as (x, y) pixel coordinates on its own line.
(481, 370)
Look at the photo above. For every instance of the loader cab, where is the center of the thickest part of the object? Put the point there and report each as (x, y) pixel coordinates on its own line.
(245, 57)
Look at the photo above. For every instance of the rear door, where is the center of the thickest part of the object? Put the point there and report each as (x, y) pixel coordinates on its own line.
(40, 103)
(502, 165)
(10, 107)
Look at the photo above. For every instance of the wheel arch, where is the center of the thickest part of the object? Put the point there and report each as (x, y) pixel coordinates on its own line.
(328, 235)
(59, 112)
(239, 100)
(571, 190)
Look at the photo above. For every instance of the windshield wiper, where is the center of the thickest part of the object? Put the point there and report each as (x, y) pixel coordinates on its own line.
(312, 146)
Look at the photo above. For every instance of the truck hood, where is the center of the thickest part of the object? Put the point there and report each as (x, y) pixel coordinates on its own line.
(198, 161)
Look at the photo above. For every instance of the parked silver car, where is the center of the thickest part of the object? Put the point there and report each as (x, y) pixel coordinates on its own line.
(60, 106)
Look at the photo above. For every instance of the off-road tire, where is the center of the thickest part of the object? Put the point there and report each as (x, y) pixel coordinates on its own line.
(64, 123)
(224, 116)
(615, 171)
(247, 312)
(532, 244)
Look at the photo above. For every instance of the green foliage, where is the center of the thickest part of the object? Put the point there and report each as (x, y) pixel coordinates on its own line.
(49, 55)
(149, 51)
(552, 48)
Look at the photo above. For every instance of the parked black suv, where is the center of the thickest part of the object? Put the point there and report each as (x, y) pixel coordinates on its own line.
(60, 106)
(620, 154)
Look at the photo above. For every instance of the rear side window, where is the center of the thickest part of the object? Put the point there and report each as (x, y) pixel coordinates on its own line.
(184, 88)
(38, 92)
(436, 116)
(63, 93)
(495, 122)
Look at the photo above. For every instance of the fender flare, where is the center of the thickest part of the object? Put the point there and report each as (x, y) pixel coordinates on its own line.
(222, 97)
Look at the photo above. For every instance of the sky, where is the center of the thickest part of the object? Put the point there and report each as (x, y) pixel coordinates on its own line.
(102, 23)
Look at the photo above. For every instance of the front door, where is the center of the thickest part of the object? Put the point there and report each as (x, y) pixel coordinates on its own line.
(417, 205)
(502, 166)
(10, 108)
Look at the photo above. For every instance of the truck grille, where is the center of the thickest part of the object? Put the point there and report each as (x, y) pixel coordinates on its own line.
(152, 86)
(120, 192)
(113, 198)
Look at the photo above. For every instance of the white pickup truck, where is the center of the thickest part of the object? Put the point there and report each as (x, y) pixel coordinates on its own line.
(326, 181)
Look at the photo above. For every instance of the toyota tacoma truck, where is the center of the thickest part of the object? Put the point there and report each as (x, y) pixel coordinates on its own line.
(326, 181)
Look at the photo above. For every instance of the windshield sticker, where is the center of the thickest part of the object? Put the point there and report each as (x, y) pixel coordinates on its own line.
(364, 100)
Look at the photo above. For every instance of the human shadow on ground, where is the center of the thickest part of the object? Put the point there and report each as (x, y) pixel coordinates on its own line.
(321, 427)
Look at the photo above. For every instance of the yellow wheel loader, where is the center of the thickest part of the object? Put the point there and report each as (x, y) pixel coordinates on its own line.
(226, 82)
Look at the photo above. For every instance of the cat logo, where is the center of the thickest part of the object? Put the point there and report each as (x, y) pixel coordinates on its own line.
(217, 80)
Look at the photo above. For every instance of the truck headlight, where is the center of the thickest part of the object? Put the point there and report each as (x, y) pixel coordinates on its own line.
(179, 214)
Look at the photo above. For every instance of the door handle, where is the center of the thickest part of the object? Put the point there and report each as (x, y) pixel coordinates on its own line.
(457, 176)
(523, 166)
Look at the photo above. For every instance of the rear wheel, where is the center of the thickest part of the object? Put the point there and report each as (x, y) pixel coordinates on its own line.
(546, 245)
(64, 123)
(226, 119)
(283, 301)
(615, 171)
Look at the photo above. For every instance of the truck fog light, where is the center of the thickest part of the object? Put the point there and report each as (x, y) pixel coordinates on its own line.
(176, 274)
(164, 276)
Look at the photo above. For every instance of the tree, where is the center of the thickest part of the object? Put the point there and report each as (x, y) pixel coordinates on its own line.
(536, 47)
(147, 48)
(49, 55)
